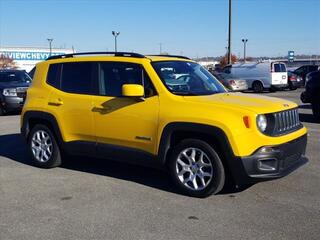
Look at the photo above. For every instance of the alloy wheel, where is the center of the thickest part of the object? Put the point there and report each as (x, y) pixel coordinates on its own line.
(194, 169)
(41, 146)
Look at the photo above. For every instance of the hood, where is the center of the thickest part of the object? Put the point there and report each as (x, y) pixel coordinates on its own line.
(250, 102)
(13, 84)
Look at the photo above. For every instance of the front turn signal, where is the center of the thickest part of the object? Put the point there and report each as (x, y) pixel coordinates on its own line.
(246, 121)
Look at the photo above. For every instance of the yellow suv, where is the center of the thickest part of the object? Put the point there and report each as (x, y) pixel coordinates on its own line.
(165, 111)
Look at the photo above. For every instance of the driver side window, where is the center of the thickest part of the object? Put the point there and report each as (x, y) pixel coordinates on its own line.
(112, 75)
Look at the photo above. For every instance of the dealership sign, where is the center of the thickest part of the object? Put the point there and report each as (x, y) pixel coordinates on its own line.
(33, 56)
(290, 56)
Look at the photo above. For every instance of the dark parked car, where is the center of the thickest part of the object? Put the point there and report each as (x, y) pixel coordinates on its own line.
(304, 70)
(312, 93)
(13, 87)
(294, 81)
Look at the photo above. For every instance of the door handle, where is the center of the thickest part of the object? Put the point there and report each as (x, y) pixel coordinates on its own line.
(57, 102)
(101, 109)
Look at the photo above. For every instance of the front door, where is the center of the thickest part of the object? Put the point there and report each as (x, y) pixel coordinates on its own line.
(121, 123)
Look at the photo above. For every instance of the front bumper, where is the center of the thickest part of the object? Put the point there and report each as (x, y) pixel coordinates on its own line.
(12, 103)
(271, 162)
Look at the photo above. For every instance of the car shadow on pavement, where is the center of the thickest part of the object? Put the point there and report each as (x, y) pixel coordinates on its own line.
(13, 147)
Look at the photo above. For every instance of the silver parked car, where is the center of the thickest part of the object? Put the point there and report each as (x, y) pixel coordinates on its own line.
(232, 84)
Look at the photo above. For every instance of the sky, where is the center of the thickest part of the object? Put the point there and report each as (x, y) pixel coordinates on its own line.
(195, 28)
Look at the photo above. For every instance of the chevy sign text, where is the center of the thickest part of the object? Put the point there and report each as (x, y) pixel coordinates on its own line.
(33, 56)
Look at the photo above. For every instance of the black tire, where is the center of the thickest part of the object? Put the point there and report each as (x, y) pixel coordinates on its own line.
(55, 158)
(2, 112)
(303, 97)
(291, 87)
(257, 87)
(316, 110)
(217, 181)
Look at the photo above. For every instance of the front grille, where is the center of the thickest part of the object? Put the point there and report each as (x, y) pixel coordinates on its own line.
(286, 121)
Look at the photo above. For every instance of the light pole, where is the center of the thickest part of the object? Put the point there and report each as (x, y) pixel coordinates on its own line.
(115, 34)
(50, 44)
(244, 49)
(160, 45)
(229, 34)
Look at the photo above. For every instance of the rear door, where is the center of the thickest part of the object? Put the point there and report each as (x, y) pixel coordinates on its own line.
(70, 102)
(279, 75)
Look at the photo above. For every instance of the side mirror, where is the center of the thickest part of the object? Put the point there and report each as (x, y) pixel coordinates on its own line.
(132, 90)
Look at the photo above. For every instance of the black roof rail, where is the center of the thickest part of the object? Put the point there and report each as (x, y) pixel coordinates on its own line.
(116, 54)
(165, 55)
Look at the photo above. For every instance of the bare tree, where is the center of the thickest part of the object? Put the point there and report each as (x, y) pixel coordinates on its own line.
(224, 60)
(6, 62)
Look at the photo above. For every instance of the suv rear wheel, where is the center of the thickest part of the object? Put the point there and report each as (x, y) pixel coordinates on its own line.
(43, 147)
(196, 168)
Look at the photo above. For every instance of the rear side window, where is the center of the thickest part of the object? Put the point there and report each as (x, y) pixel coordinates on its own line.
(53, 77)
(77, 77)
(279, 67)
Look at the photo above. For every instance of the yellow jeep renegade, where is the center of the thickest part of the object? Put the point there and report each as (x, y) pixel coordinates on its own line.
(161, 111)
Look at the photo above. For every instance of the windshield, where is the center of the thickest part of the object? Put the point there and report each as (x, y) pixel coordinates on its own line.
(187, 78)
(14, 76)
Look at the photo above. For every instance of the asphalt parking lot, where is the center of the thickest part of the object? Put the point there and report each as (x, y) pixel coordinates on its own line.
(95, 199)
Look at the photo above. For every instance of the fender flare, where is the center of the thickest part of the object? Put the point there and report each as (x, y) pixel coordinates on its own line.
(169, 129)
(42, 116)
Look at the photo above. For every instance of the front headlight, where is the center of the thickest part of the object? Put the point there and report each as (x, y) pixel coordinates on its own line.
(262, 122)
(10, 92)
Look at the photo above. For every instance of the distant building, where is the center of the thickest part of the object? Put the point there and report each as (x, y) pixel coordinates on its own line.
(26, 58)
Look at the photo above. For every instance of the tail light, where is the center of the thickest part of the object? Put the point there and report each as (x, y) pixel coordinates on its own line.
(293, 78)
(232, 82)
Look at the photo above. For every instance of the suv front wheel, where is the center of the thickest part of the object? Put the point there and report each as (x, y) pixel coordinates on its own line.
(196, 168)
(43, 147)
